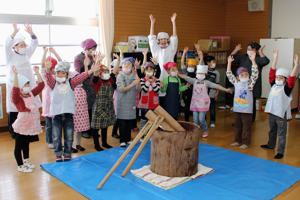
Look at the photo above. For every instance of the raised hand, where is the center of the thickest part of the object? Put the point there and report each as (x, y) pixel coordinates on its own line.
(173, 18)
(230, 59)
(137, 63)
(275, 53)
(185, 50)
(28, 28)
(36, 69)
(152, 19)
(238, 48)
(87, 60)
(261, 50)
(296, 60)
(154, 60)
(15, 27)
(197, 46)
(145, 51)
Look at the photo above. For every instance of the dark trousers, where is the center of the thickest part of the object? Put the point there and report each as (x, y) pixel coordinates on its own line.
(95, 133)
(212, 110)
(12, 116)
(21, 146)
(125, 127)
(63, 124)
(278, 128)
(115, 128)
(254, 109)
(243, 125)
(48, 130)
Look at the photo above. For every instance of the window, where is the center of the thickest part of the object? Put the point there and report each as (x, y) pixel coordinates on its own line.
(65, 34)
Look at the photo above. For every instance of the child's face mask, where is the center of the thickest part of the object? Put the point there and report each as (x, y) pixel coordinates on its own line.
(60, 79)
(105, 76)
(244, 77)
(190, 69)
(127, 67)
(149, 73)
(21, 51)
(200, 77)
(26, 89)
(280, 80)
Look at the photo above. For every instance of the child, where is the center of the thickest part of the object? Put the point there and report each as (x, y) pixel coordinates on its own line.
(213, 75)
(243, 97)
(200, 100)
(81, 115)
(18, 54)
(27, 125)
(103, 110)
(190, 71)
(126, 106)
(46, 95)
(172, 86)
(62, 106)
(150, 85)
(278, 104)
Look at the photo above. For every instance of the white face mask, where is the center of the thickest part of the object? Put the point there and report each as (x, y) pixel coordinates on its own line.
(244, 80)
(213, 66)
(126, 70)
(22, 51)
(26, 89)
(60, 79)
(200, 77)
(279, 82)
(105, 76)
(149, 74)
(173, 74)
(190, 69)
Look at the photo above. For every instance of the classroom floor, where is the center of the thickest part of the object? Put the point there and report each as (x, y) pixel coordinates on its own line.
(40, 185)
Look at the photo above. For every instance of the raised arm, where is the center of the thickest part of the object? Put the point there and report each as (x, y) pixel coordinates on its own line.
(236, 49)
(9, 42)
(185, 50)
(229, 73)
(44, 57)
(200, 54)
(152, 24)
(173, 20)
(34, 40)
(52, 50)
(38, 89)
(254, 72)
(296, 66)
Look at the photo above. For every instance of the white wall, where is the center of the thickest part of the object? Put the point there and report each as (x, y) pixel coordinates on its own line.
(285, 19)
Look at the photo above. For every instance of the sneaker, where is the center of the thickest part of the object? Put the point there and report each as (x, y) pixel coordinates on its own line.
(59, 159)
(235, 144)
(51, 146)
(243, 146)
(212, 125)
(107, 146)
(67, 158)
(265, 146)
(24, 169)
(205, 134)
(80, 148)
(278, 156)
(123, 144)
(74, 150)
(28, 164)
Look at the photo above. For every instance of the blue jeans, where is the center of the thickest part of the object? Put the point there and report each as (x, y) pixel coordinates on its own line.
(48, 129)
(63, 122)
(199, 119)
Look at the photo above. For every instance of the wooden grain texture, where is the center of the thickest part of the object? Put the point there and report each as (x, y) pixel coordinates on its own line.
(175, 154)
(3, 121)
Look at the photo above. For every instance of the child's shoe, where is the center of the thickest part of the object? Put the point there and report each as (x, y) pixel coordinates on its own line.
(98, 148)
(123, 144)
(278, 156)
(212, 125)
(244, 146)
(67, 158)
(107, 146)
(205, 134)
(24, 169)
(51, 146)
(74, 150)
(28, 164)
(59, 159)
(235, 144)
(80, 148)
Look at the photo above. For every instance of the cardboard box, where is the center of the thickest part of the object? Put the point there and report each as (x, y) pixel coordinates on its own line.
(138, 43)
(223, 42)
(205, 44)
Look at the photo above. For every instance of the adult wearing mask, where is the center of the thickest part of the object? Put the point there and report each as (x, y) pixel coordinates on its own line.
(243, 60)
(18, 54)
(83, 62)
(163, 47)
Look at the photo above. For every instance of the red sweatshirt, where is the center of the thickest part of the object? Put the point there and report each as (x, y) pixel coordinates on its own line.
(290, 83)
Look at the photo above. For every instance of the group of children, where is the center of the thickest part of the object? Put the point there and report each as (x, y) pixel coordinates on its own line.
(95, 97)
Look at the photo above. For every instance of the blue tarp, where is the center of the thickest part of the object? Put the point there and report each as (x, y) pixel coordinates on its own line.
(235, 176)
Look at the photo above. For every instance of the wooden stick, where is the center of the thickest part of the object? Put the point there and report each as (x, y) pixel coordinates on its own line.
(155, 125)
(152, 117)
(169, 119)
(144, 130)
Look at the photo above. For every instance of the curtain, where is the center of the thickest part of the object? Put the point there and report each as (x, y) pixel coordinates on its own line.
(106, 28)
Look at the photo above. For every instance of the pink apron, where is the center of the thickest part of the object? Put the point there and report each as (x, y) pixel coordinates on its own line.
(200, 99)
(29, 123)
